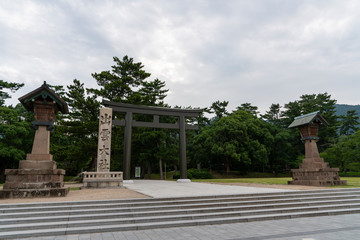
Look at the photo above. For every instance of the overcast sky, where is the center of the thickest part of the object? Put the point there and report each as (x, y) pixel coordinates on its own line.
(257, 51)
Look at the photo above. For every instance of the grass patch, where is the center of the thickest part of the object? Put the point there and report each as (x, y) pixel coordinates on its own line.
(72, 179)
(352, 182)
(283, 180)
(75, 188)
(156, 176)
(237, 174)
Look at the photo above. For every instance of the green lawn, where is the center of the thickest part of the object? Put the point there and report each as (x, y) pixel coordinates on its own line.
(352, 181)
(247, 180)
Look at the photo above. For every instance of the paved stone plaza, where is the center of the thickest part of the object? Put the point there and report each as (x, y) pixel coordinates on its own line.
(160, 189)
(344, 227)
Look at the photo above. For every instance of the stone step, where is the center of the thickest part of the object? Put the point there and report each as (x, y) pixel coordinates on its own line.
(146, 200)
(153, 225)
(176, 216)
(127, 204)
(34, 220)
(38, 212)
(68, 216)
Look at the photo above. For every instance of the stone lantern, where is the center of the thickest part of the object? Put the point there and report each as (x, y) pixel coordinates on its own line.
(313, 170)
(38, 175)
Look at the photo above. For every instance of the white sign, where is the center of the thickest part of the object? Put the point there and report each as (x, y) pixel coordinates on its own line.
(137, 172)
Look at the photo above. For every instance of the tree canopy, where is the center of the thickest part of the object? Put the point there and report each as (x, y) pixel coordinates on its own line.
(241, 140)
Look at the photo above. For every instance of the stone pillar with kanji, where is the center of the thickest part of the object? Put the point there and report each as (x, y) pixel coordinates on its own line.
(104, 141)
(313, 171)
(38, 175)
(103, 177)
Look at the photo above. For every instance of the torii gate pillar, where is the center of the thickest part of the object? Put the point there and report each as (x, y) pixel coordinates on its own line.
(129, 109)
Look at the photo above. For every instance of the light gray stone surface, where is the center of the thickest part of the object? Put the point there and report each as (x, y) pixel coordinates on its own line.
(157, 189)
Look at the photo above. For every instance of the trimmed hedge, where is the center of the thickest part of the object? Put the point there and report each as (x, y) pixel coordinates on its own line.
(349, 174)
(195, 174)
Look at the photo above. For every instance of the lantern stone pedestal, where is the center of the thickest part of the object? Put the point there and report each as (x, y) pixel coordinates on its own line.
(313, 171)
(38, 175)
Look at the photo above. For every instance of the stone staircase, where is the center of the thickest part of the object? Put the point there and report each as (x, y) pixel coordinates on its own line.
(64, 218)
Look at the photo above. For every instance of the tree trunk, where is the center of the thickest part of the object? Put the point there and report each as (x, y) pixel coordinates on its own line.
(227, 165)
(161, 170)
(149, 170)
(92, 166)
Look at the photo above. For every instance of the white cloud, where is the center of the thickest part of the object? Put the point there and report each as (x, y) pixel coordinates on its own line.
(257, 51)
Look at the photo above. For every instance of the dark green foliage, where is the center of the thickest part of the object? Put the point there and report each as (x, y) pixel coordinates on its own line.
(16, 136)
(239, 139)
(273, 115)
(119, 84)
(74, 141)
(15, 130)
(247, 107)
(310, 103)
(219, 108)
(6, 85)
(349, 174)
(349, 123)
(199, 174)
(195, 174)
(128, 82)
(345, 154)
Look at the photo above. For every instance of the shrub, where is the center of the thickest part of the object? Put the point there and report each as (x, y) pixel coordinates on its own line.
(195, 174)
(199, 174)
(349, 174)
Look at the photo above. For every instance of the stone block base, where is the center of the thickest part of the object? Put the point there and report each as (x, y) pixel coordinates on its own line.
(316, 172)
(34, 179)
(318, 182)
(32, 183)
(37, 164)
(33, 193)
(102, 179)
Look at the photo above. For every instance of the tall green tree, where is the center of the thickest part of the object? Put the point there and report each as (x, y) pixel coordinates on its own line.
(310, 103)
(249, 108)
(16, 136)
(349, 123)
(238, 139)
(8, 85)
(273, 115)
(219, 108)
(121, 83)
(74, 141)
(15, 130)
(128, 82)
(345, 154)
(153, 92)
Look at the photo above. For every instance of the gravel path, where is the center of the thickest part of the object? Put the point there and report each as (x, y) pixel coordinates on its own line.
(124, 193)
(82, 195)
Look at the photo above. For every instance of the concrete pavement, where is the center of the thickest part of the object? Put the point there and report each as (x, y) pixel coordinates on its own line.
(160, 189)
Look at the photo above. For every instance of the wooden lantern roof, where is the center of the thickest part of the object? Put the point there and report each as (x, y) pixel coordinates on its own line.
(44, 94)
(308, 119)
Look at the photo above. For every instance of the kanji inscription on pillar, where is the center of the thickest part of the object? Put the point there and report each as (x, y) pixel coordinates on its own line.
(104, 142)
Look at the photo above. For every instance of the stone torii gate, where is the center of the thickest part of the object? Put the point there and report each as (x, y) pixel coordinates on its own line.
(128, 122)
